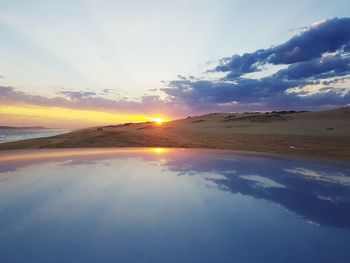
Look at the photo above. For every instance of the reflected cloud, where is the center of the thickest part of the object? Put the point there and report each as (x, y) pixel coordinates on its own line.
(321, 196)
(262, 181)
(337, 178)
(317, 192)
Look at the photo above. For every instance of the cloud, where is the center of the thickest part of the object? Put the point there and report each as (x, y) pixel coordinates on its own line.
(243, 90)
(311, 43)
(320, 68)
(253, 94)
(83, 100)
(107, 91)
(77, 95)
(313, 72)
(317, 56)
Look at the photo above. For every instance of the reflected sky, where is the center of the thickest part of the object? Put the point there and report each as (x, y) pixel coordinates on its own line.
(171, 205)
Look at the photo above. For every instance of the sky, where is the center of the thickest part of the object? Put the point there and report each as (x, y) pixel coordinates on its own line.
(83, 63)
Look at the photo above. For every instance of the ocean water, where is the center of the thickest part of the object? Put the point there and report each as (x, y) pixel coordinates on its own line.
(10, 135)
(163, 205)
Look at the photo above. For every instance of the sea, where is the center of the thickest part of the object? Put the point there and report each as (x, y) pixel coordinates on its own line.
(15, 134)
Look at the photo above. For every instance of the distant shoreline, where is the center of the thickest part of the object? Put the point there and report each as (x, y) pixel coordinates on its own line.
(323, 134)
(22, 128)
(8, 134)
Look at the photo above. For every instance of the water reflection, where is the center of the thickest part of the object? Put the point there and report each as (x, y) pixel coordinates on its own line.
(319, 193)
(12, 160)
(167, 205)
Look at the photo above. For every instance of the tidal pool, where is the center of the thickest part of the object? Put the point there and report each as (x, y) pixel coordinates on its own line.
(171, 205)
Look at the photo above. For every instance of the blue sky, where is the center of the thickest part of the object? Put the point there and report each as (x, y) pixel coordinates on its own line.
(129, 51)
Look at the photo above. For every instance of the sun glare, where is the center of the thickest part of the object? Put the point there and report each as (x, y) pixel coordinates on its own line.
(157, 120)
(159, 150)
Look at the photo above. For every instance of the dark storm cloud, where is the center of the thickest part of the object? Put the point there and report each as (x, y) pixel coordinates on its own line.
(317, 55)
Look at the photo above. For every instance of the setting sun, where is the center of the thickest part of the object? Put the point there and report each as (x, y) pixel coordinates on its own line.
(157, 120)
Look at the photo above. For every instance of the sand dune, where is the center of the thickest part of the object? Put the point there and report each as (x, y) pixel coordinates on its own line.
(322, 134)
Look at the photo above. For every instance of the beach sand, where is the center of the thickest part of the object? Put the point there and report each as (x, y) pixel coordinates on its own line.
(320, 134)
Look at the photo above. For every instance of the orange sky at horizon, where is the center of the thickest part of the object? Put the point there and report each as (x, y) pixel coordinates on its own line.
(57, 117)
